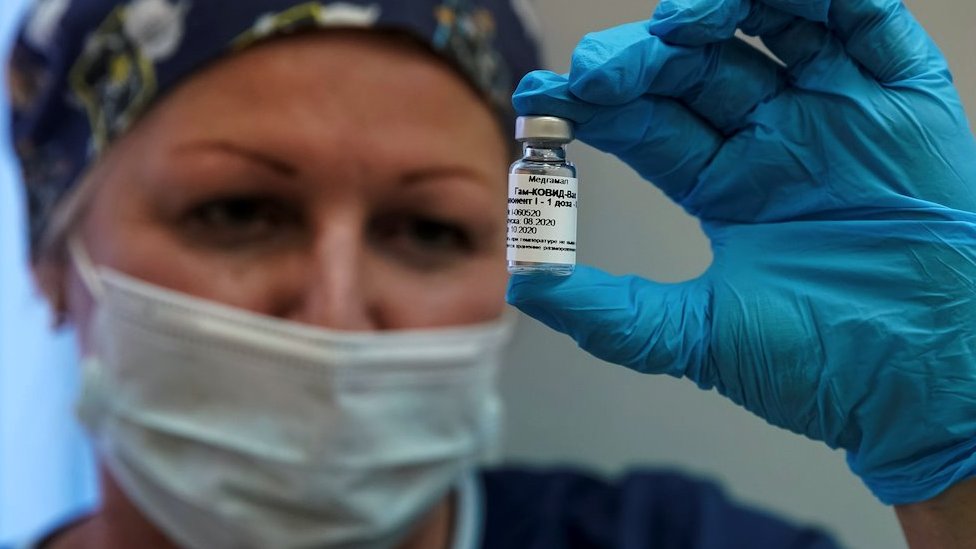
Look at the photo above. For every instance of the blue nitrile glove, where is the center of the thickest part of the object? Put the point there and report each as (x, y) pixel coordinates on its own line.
(839, 195)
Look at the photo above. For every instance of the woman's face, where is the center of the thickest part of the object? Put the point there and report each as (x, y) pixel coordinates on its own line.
(345, 180)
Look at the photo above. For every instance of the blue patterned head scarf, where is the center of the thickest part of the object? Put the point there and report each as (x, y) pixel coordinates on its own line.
(83, 71)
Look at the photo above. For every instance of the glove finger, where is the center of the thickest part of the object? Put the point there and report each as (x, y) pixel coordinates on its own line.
(721, 82)
(626, 320)
(700, 22)
(811, 10)
(882, 35)
(886, 39)
(658, 137)
(815, 59)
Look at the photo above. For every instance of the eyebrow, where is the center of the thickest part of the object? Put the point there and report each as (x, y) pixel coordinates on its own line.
(445, 172)
(271, 162)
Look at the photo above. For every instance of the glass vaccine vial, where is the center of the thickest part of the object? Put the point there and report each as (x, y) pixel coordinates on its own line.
(542, 196)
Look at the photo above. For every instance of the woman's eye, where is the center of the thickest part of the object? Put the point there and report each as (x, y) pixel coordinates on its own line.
(241, 219)
(438, 234)
(424, 240)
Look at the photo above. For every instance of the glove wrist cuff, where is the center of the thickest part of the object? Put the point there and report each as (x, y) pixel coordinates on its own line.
(919, 479)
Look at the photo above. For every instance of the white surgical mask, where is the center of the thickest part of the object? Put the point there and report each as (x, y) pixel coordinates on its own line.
(232, 430)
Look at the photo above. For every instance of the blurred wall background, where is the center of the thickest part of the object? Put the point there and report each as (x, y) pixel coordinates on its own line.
(565, 406)
(46, 472)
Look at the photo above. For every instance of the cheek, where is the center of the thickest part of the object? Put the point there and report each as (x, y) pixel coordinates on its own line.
(289, 283)
(147, 250)
(468, 294)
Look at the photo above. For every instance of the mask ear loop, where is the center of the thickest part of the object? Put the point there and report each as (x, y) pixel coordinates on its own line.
(90, 405)
(86, 269)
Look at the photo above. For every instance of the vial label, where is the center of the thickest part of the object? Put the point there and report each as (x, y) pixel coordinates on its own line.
(542, 218)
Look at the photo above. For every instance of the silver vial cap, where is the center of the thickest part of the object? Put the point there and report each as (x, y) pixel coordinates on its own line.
(550, 129)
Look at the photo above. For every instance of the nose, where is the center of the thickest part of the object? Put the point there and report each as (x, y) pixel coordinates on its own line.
(334, 293)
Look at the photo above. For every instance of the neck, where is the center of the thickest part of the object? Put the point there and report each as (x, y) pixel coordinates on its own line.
(118, 524)
(115, 525)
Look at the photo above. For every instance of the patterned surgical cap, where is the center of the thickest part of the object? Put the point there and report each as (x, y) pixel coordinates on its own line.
(82, 71)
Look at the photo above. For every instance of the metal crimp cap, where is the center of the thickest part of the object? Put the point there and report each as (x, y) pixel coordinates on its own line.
(543, 128)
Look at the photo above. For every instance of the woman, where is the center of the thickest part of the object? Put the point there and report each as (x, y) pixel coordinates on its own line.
(282, 247)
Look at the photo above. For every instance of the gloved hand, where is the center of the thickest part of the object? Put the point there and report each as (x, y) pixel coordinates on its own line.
(839, 195)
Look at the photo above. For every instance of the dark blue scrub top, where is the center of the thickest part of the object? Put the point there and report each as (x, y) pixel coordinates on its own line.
(526, 508)
(569, 509)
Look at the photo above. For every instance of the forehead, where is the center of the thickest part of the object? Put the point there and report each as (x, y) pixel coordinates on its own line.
(351, 84)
